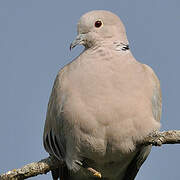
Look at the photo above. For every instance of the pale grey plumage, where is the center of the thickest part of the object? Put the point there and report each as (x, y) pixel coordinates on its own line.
(102, 104)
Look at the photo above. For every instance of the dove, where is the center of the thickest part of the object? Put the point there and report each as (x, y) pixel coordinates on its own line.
(102, 105)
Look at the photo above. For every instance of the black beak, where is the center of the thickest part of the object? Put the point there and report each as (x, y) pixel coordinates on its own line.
(79, 40)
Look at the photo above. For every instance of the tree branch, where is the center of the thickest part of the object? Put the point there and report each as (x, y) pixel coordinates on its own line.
(50, 163)
(166, 137)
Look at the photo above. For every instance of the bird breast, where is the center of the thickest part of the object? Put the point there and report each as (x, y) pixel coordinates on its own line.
(99, 108)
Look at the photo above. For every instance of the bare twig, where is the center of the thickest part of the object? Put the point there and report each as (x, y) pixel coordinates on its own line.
(32, 169)
(45, 165)
(166, 137)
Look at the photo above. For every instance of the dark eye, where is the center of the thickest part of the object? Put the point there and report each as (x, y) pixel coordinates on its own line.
(98, 24)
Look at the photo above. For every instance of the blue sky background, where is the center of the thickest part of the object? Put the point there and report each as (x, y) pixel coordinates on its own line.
(34, 44)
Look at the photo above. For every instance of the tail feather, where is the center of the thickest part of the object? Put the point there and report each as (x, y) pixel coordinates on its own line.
(61, 173)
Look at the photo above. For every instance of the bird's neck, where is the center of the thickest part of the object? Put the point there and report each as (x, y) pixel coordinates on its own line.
(120, 46)
(113, 44)
(116, 46)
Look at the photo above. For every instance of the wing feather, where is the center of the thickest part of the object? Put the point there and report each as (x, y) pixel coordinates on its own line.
(53, 139)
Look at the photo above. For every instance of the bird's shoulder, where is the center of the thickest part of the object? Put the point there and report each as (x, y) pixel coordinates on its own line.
(150, 72)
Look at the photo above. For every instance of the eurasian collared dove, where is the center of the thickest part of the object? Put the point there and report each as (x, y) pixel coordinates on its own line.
(102, 104)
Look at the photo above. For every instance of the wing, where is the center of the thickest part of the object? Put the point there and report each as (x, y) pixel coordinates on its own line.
(156, 99)
(143, 153)
(53, 137)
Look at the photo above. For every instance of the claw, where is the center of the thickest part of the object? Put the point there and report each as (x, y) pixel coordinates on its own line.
(98, 174)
